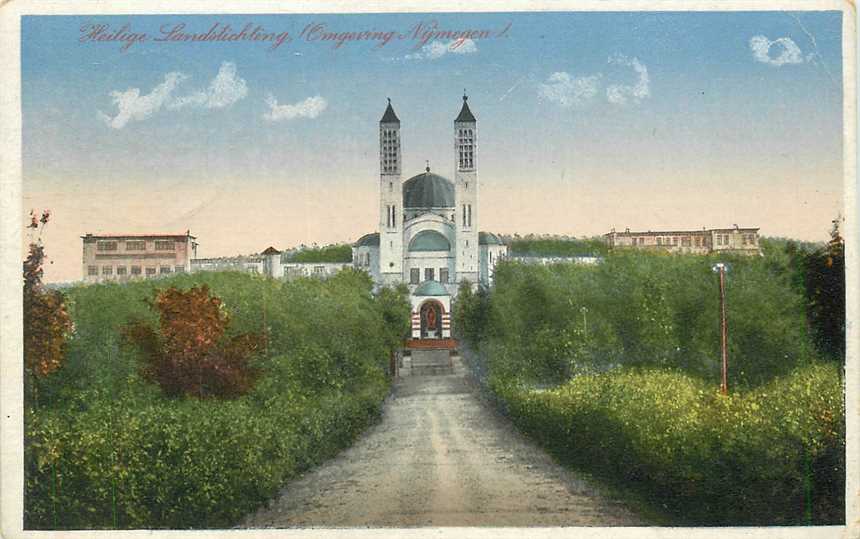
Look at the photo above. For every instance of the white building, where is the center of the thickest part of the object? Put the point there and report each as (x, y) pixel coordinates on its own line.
(428, 234)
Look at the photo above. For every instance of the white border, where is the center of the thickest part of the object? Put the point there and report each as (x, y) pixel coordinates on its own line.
(11, 419)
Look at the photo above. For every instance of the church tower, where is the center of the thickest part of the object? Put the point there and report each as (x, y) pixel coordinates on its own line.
(466, 194)
(390, 199)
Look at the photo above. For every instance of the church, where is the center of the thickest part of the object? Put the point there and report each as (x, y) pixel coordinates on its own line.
(429, 237)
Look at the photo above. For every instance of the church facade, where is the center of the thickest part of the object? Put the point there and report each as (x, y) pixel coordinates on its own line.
(428, 236)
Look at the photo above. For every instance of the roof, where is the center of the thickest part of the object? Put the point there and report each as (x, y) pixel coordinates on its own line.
(488, 238)
(680, 232)
(135, 236)
(428, 190)
(271, 251)
(389, 117)
(430, 288)
(429, 240)
(465, 114)
(368, 240)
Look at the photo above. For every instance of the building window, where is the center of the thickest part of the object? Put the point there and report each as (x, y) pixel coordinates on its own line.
(414, 276)
(92, 270)
(107, 270)
(319, 270)
(165, 245)
(675, 240)
(659, 241)
(164, 269)
(428, 274)
(698, 241)
(150, 271)
(135, 270)
(443, 275)
(685, 241)
(120, 270)
(106, 246)
(180, 269)
(135, 245)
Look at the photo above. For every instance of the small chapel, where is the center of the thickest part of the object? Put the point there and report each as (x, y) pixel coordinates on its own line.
(428, 234)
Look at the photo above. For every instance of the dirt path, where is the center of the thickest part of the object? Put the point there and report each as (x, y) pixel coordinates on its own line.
(440, 458)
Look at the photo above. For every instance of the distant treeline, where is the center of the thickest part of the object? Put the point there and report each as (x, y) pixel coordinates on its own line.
(546, 245)
(336, 253)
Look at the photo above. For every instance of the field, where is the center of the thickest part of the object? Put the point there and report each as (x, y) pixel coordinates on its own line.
(615, 369)
(104, 448)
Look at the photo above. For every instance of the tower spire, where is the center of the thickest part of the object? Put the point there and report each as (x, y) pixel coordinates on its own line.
(389, 117)
(465, 113)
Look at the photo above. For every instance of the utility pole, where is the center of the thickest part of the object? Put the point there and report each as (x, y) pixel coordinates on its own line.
(584, 311)
(724, 331)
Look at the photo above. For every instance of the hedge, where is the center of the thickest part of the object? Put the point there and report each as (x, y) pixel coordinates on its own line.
(104, 449)
(771, 456)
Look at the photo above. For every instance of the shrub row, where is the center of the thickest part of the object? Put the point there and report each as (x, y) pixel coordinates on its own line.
(615, 369)
(771, 456)
(186, 464)
(105, 449)
(640, 309)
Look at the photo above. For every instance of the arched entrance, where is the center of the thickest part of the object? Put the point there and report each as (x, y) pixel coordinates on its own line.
(431, 319)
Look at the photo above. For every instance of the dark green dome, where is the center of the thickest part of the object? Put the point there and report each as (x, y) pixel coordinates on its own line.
(429, 240)
(428, 190)
(488, 238)
(430, 288)
(368, 240)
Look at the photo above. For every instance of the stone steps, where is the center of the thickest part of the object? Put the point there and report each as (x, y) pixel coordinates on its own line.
(430, 362)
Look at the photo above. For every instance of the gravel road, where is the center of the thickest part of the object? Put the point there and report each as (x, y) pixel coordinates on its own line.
(440, 457)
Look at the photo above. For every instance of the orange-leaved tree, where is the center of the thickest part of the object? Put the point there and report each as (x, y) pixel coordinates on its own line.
(191, 354)
(47, 324)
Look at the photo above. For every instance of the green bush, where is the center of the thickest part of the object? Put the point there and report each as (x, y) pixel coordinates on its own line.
(329, 254)
(107, 450)
(615, 368)
(774, 455)
(643, 309)
(535, 246)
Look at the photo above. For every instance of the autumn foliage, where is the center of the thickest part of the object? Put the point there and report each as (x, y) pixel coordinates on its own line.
(47, 323)
(191, 354)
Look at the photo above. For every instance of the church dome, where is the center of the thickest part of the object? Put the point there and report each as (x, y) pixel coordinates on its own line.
(430, 288)
(429, 240)
(428, 190)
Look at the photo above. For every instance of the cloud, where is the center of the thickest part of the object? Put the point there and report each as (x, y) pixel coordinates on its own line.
(569, 91)
(620, 94)
(133, 106)
(224, 90)
(438, 49)
(309, 108)
(788, 51)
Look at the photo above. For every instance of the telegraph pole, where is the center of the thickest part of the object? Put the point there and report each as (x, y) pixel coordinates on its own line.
(724, 331)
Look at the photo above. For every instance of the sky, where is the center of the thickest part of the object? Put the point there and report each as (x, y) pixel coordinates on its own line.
(586, 121)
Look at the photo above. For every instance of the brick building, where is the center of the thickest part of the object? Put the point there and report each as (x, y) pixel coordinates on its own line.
(120, 257)
(734, 240)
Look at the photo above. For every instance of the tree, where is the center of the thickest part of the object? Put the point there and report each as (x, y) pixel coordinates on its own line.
(47, 324)
(190, 354)
(824, 281)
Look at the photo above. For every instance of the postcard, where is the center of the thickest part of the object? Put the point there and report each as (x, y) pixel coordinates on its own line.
(540, 269)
